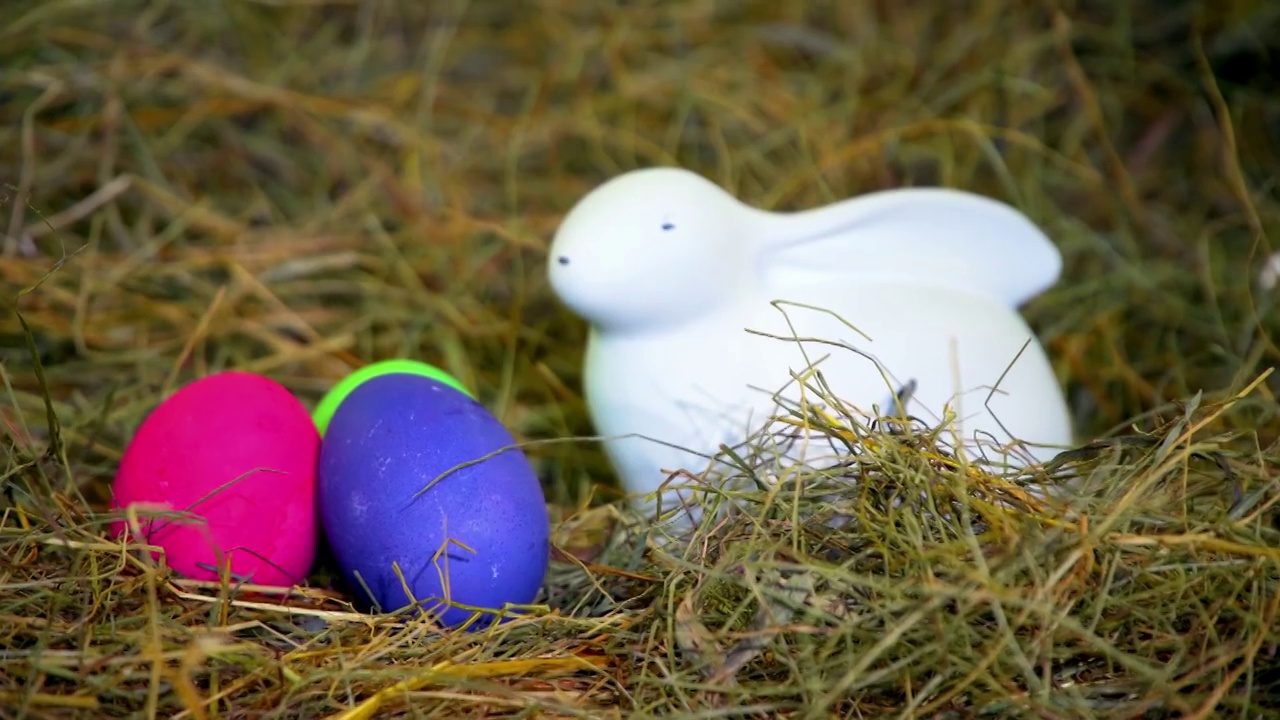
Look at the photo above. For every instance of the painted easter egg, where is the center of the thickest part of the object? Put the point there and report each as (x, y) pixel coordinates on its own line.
(323, 412)
(402, 534)
(224, 471)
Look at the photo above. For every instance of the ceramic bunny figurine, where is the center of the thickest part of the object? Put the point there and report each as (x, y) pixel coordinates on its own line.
(671, 272)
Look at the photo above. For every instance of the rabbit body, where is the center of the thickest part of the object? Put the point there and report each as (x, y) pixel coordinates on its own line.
(712, 382)
(679, 362)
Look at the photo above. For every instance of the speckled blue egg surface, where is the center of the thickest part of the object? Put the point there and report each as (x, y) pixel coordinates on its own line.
(481, 533)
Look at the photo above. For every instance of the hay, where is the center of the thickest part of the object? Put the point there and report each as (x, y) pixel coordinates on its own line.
(294, 188)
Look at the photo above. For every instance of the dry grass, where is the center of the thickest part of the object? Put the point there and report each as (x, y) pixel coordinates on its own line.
(297, 187)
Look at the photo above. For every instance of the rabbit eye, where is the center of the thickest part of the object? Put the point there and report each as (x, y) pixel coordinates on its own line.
(668, 226)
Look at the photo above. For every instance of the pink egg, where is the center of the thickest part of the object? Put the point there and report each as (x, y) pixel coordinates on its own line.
(238, 453)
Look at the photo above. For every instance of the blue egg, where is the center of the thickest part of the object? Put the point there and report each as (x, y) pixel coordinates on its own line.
(479, 537)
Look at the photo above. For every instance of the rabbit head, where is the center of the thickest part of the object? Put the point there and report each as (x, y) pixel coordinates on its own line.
(650, 248)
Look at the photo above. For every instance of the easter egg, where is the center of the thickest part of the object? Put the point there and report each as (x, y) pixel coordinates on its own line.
(400, 533)
(224, 471)
(332, 399)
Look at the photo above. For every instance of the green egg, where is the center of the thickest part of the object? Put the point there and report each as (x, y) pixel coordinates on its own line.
(332, 399)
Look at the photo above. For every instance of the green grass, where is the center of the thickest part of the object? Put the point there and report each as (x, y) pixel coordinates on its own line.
(300, 188)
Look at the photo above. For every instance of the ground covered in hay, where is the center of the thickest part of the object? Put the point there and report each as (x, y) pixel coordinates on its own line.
(296, 188)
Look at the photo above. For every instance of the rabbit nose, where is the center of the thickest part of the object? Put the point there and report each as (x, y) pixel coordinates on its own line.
(563, 259)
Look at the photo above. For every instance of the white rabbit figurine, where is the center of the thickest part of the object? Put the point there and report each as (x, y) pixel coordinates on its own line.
(671, 271)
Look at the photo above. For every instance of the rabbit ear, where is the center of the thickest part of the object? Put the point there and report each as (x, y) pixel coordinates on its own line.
(917, 235)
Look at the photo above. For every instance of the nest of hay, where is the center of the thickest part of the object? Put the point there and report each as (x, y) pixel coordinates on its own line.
(299, 188)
